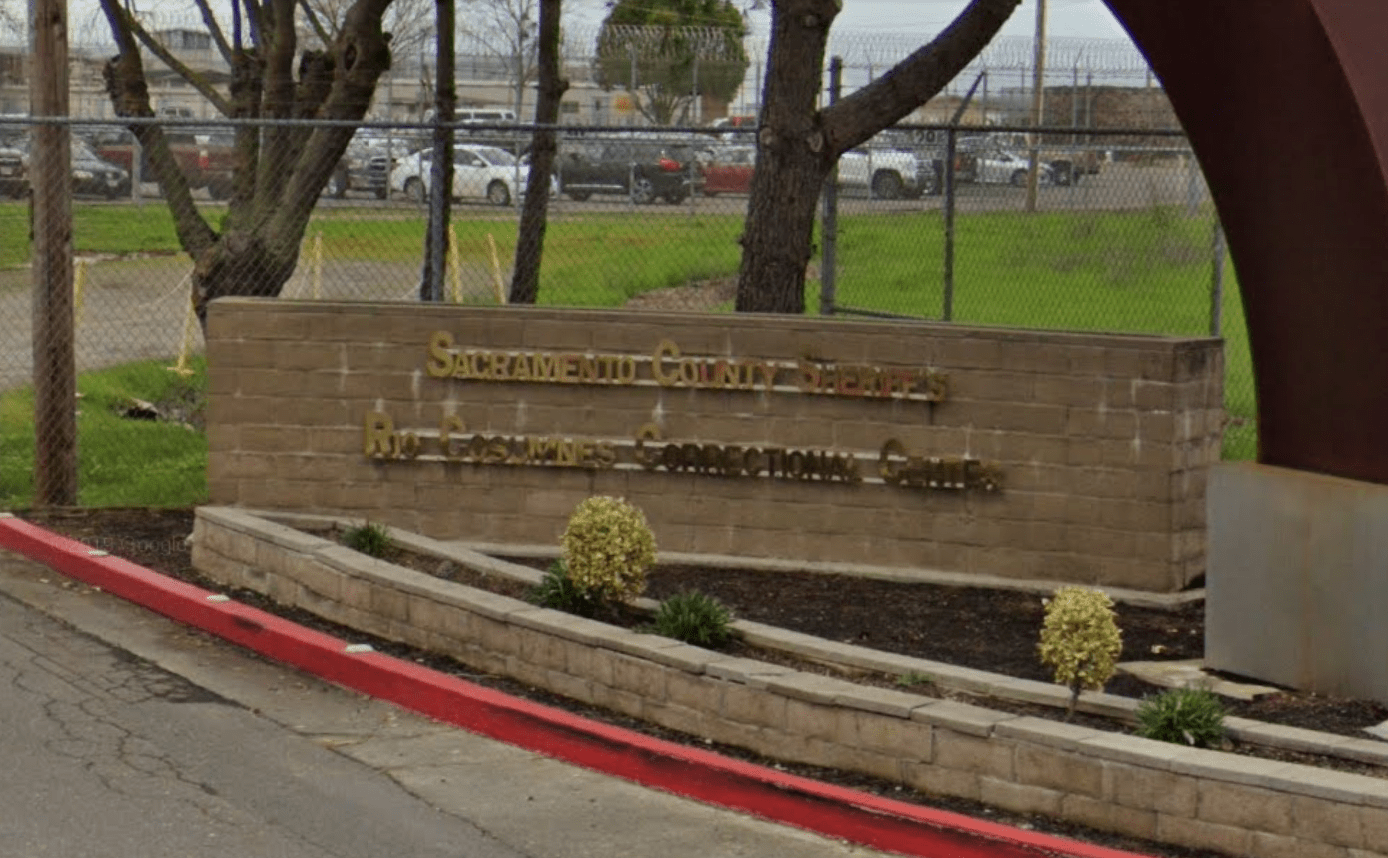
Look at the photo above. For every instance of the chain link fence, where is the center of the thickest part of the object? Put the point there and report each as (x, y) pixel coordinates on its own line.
(1069, 229)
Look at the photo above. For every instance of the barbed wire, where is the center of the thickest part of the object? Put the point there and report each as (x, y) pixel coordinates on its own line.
(1116, 58)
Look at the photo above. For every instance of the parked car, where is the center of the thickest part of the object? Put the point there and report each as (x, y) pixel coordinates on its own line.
(367, 164)
(998, 167)
(13, 182)
(728, 170)
(91, 175)
(1068, 164)
(642, 169)
(206, 160)
(479, 173)
(887, 174)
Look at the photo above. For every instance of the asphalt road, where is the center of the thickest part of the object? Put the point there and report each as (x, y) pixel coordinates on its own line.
(128, 735)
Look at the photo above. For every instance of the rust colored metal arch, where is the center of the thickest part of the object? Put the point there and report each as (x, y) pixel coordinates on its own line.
(1286, 105)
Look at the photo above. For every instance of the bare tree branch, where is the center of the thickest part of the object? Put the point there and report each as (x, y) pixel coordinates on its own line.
(323, 35)
(125, 82)
(218, 37)
(194, 78)
(916, 79)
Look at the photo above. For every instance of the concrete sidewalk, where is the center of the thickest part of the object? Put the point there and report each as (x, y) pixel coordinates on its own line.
(524, 795)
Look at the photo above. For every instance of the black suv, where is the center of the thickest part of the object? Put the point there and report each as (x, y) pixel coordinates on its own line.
(644, 170)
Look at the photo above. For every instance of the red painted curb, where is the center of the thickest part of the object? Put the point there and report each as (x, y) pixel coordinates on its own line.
(854, 816)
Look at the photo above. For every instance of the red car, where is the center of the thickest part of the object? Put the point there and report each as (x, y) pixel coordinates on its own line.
(729, 171)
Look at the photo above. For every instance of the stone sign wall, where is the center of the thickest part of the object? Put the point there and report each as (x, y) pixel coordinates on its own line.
(1067, 457)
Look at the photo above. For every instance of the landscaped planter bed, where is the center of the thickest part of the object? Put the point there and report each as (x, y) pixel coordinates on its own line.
(1106, 780)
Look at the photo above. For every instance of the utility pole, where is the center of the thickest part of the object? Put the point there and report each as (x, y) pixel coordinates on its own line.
(1038, 87)
(50, 182)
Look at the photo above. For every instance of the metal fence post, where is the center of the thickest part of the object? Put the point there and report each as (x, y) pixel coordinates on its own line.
(829, 227)
(951, 147)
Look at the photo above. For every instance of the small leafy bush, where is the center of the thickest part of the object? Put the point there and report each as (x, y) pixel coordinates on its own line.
(607, 548)
(1080, 640)
(694, 618)
(556, 590)
(370, 538)
(1184, 716)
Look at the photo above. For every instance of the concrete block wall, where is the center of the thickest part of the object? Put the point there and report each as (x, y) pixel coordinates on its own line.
(1111, 781)
(1102, 442)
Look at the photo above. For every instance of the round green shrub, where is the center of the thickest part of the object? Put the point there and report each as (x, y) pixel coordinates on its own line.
(1184, 716)
(607, 548)
(695, 618)
(1080, 640)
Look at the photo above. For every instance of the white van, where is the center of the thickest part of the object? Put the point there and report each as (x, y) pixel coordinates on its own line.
(478, 116)
(471, 116)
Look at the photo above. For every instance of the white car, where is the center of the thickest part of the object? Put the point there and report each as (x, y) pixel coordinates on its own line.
(998, 167)
(479, 173)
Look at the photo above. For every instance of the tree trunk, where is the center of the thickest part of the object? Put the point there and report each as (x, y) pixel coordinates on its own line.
(797, 145)
(530, 241)
(279, 174)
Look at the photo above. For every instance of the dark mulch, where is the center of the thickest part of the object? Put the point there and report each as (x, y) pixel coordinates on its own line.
(992, 630)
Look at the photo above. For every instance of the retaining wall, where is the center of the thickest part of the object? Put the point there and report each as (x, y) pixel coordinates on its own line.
(1164, 792)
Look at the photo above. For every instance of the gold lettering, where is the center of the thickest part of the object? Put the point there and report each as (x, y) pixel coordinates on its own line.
(477, 448)
(626, 370)
(664, 349)
(728, 374)
(587, 368)
(379, 435)
(520, 368)
(539, 449)
(648, 432)
(447, 427)
(887, 465)
(440, 363)
(545, 367)
(604, 455)
(811, 379)
(497, 451)
(936, 386)
(751, 462)
(731, 460)
(409, 445)
(767, 373)
(568, 368)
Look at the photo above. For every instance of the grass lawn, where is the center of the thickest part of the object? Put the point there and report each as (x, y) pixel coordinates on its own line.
(122, 461)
